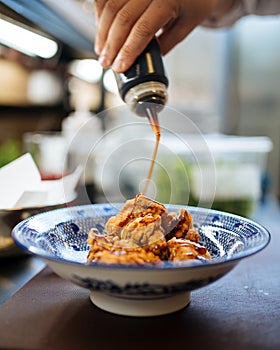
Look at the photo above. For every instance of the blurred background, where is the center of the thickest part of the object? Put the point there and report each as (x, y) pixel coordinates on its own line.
(221, 82)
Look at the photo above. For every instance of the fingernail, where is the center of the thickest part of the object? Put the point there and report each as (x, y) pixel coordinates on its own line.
(118, 65)
(97, 49)
(104, 61)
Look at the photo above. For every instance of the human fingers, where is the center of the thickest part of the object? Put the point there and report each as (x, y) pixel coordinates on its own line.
(154, 17)
(120, 28)
(175, 32)
(106, 10)
(98, 6)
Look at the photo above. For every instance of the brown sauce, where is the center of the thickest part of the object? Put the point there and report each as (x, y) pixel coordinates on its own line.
(153, 119)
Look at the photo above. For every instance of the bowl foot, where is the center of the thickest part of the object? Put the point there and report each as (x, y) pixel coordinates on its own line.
(141, 307)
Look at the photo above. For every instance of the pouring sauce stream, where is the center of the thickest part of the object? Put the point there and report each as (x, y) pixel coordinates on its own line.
(153, 120)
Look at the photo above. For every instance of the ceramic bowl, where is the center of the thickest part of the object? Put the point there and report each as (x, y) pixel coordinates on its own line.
(60, 238)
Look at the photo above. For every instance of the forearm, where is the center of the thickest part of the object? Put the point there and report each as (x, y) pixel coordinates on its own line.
(241, 8)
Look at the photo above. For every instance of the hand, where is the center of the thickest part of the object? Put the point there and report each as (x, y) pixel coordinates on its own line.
(125, 27)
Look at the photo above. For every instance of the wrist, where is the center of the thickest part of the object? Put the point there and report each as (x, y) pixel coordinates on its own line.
(223, 8)
(225, 13)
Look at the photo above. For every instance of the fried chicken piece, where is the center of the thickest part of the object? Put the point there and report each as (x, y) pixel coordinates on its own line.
(115, 224)
(139, 219)
(137, 256)
(107, 250)
(140, 206)
(144, 206)
(181, 226)
(97, 242)
(183, 249)
(144, 232)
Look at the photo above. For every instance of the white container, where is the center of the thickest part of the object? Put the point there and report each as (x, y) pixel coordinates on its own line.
(215, 171)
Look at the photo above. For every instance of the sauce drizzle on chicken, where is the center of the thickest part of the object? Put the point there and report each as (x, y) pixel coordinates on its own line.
(144, 232)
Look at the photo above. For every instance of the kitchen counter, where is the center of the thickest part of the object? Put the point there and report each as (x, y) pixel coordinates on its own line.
(240, 311)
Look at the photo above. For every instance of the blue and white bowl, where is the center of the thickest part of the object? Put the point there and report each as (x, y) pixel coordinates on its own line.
(60, 238)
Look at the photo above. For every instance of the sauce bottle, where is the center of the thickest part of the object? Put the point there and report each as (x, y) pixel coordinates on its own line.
(144, 88)
(144, 85)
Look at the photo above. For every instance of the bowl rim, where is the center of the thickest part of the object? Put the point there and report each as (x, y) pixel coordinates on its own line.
(165, 265)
